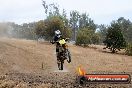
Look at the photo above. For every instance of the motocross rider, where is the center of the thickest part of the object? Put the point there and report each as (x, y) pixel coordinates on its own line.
(56, 38)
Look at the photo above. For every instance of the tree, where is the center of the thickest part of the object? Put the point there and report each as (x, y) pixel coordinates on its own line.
(114, 38)
(47, 27)
(51, 9)
(52, 24)
(129, 34)
(129, 49)
(28, 31)
(83, 21)
(74, 18)
(95, 38)
(86, 22)
(126, 27)
(102, 32)
(40, 29)
(86, 36)
(64, 18)
(75, 22)
(55, 21)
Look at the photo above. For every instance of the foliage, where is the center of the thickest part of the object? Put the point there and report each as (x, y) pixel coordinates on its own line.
(40, 29)
(73, 23)
(47, 27)
(102, 32)
(126, 27)
(95, 38)
(67, 33)
(80, 21)
(114, 39)
(86, 36)
(86, 22)
(55, 21)
(51, 9)
(129, 49)
(52, 24)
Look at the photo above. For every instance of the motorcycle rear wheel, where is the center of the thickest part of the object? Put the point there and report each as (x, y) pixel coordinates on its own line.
(60, 66)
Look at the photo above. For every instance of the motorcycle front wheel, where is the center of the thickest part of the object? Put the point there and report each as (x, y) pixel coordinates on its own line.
(68, 56)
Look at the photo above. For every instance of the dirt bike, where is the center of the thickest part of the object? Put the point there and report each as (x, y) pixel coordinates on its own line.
(62, 52)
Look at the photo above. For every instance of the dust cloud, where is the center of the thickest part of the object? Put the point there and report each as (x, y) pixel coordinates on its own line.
(6, 30)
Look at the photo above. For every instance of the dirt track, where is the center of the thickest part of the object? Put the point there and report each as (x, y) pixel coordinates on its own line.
(21, 65)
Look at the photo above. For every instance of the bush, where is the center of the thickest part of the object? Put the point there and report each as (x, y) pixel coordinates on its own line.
(85, 37)
(67, 32)
(95, 38)
(129, 49)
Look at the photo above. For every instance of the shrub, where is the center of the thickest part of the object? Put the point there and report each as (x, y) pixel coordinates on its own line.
(129, 49)
(85, 37)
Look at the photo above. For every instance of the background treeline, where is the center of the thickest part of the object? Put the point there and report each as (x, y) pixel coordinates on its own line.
(79, 27)
(125, 26)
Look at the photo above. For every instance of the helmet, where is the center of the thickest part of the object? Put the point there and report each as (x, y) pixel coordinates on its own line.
(57, 32)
